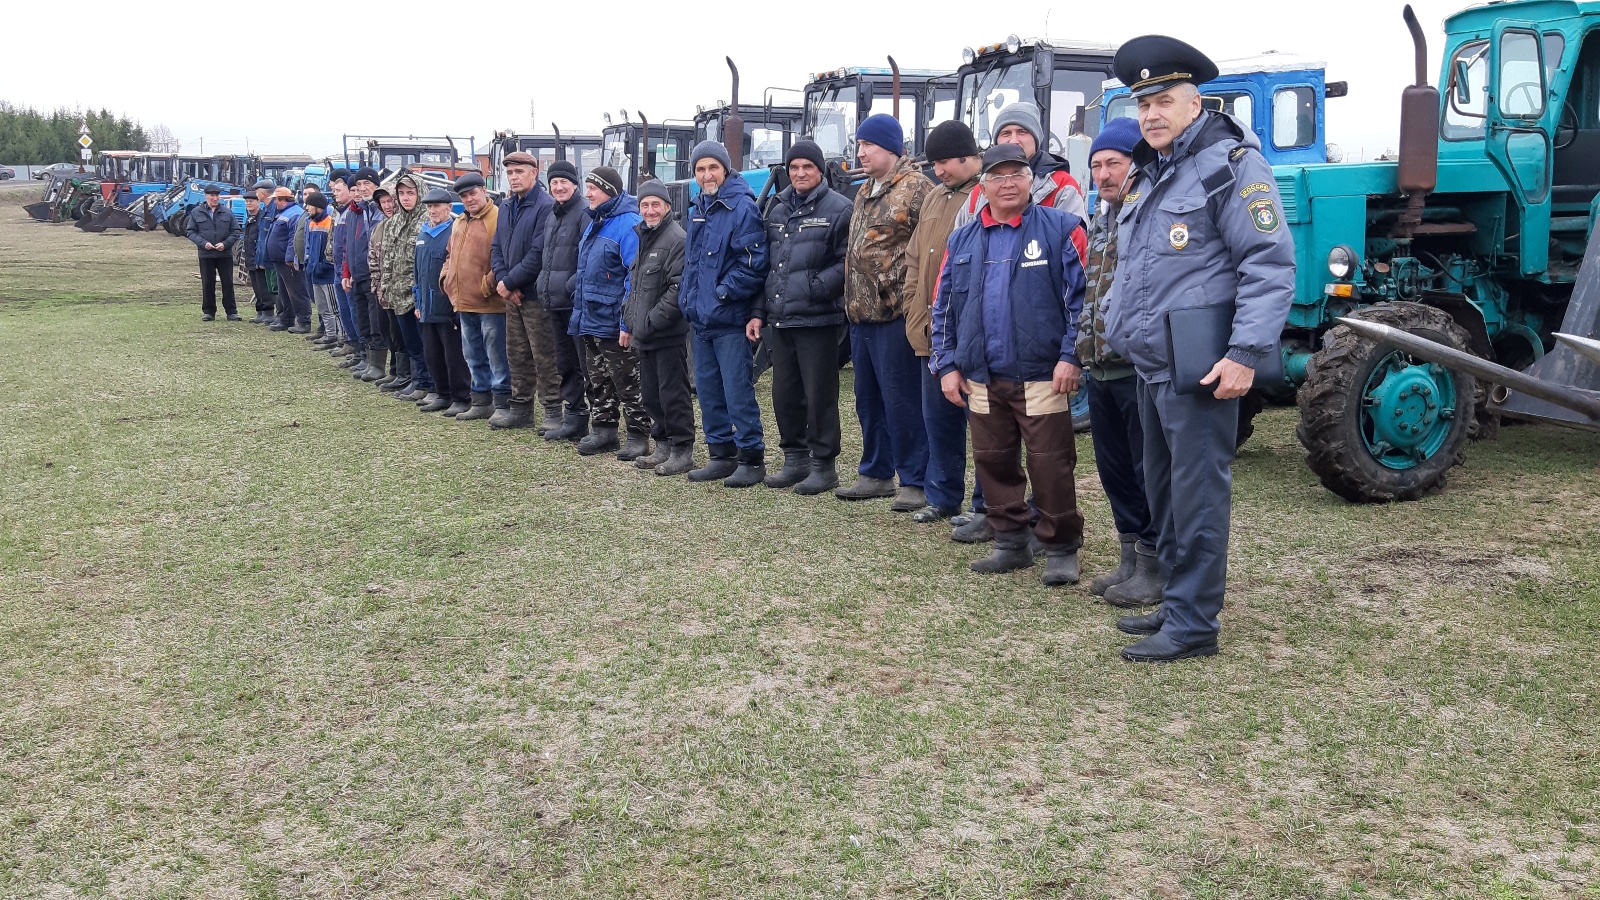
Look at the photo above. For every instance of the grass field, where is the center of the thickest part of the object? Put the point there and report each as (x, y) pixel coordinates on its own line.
(266, 633)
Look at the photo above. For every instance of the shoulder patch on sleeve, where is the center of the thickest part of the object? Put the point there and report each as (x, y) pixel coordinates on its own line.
(1264, 215)
(1256, 188)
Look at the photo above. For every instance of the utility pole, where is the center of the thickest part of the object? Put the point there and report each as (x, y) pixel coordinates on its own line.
(202, 146)
(533, 121)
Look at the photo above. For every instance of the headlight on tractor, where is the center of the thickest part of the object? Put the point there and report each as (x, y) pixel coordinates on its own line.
(1341, 262)
(968, 55)
(1013, 43)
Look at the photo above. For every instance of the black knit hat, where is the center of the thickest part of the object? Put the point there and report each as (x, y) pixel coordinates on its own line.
(317, 200)
(563, 169)
(367, 173)
(606, 179)
(807, 150)
(340, 174)
(654, 188)
(950, 140)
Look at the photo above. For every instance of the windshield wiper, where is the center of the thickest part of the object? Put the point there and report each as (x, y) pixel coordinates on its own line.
(981, 90)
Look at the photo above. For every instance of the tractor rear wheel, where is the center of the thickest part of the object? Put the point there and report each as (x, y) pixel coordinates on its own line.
(1379, 425)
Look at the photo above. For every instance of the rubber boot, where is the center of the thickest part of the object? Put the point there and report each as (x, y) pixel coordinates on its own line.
(823, 478)
(796, 466)
(399, 373)
(867, 488)
(679, 461)
(434, 403)
(1010, 554)
(575, 428)
(456, 408)
(976, 531)
(412, 391)
(518, 415)
(603, 440)
(1060, 566)
(661, 453)
(502, 412)
(482, 408)
(1124, 569)
(720, 466)
(637, 446)
(752, 470)
(552, 420)
(1144, 586)
(374, 370)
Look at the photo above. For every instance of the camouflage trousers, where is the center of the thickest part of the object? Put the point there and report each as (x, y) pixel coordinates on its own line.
(531, 351)
(614, 385)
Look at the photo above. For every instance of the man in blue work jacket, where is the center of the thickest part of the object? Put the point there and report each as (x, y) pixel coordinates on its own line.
(1201, 224)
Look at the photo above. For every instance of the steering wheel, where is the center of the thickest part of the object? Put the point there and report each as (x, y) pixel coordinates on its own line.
(1528, 87)
(1566, 127)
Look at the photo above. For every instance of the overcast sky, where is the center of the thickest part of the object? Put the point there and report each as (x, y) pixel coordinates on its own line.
(466, 68)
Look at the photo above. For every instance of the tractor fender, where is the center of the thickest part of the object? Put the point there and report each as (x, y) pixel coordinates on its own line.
(1465, 314)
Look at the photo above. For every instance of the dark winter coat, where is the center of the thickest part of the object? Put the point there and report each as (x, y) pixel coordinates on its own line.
(807, 237)
(517, 254)
(359, 224)
(563, 232)
(725, 259)
(651, 315)
(280, 241)
(433, 245)
(213, 227)
(268, 214)
(251, 235)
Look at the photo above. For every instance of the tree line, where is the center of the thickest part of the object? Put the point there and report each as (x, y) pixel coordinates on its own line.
(32, 138)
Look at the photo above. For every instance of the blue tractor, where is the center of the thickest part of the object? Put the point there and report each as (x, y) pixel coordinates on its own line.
(836, 101)
(640, 151)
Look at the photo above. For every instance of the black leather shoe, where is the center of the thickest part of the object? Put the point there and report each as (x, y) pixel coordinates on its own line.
(234, 317)
(1159, 648)
(1139, 625)
(208, 317)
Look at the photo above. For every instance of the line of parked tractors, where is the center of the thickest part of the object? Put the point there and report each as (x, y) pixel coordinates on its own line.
(1475, 238)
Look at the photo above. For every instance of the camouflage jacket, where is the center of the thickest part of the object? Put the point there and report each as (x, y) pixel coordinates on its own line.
(399, 256)
(375, 261)
(880, 229)
(1098, 359)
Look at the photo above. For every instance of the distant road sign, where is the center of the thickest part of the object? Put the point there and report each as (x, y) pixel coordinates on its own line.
(84, 153)
(85, 142)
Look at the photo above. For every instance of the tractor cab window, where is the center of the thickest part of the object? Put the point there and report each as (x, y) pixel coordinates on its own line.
(1240, 105)
(1521, 89)
(1070, 93)
(435, 158)
(984, 94)
(765, 147)
(831, 120)
(1466, 92)
(617, 151)
(1122, 107)
(666, 161)
(944, 106)
(1294, 117)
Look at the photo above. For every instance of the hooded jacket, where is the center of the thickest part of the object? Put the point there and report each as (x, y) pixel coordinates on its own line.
(651, 315)
(725, 259)
(359, 221)
(609, 247)
(1202, 227)
(280, 242)
(558, 270)
(432, 246)
(466, 270)
(807, 236)
(926, 254)
(517, 254)
(318, 260)
(880, 230)
(399, 236)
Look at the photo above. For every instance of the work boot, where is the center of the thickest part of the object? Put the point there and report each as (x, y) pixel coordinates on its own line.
(752, 470)
(603, 440)
(234, 317)
(482, 408)
(909, 499)
(1150, 623)
(261, 319)
(374, 370)
(657, 456)
(298, 329)
(823, 478)
(637, 446)
(518, 415)
(721, 465)
(456, 408)
(502, 412)
(208, 317)
(930, 514)
(1144, 586)
(867, 488)
(1060, 566)
(1160, 648)
(399, 373)
(1010, 554)
(434, 403)
(315, 334)
(796, 466)
(572, 428)
(679, 461)
(412, 391)
(1124, 569)
(278, 326)
(552, 420)
(976, 531)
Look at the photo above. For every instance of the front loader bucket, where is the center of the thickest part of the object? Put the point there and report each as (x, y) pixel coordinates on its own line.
(93, 222)
(42, 210)
(1567, 364)
(115, 217)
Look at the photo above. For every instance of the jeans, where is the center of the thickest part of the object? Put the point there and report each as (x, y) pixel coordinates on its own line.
(367, 312)
(411, 338)
(894, 439)
(347, 318)
(1119, 454)
(483, 344)
(729, 413)
(946, 423)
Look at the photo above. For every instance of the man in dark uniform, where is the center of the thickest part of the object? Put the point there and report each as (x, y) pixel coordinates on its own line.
(214, 230)
(1201, 224)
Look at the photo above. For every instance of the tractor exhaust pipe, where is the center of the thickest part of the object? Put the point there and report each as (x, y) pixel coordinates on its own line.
(895, 85)
(734, 124)
(561, 152)
(647, 159)
(1418, 169)
(1584, 402)
(1420, 42)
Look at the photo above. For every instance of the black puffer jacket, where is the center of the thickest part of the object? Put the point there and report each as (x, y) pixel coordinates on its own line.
(252, 231)
(563, 231)
(807, 239)
(208, 226)
(651, 314)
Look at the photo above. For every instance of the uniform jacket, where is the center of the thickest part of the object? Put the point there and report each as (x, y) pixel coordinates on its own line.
(251, 235)
(399, 238)
(1203, 227)
(608, 249)
(926, 254)
(433, 244)
(1042, 295)
(280, 241)
(807, 237)
(466, 271)
(318, 260)
(880, 230)
(651, 315)
(517, 255)
(1098, 359)
(725, 260)
(558, 270)
(269, 212)
(359, 222)
(208, 227)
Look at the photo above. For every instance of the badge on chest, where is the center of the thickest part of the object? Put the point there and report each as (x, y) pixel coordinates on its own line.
(1179, 236)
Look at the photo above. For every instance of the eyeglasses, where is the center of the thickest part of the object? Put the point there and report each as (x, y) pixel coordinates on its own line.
(1017, 178)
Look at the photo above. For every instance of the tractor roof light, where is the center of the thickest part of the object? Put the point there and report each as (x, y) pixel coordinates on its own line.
(1342, 262)
(968, 55)
(1013, 43)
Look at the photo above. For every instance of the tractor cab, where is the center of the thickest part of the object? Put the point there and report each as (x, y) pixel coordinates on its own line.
(1279, 96)
(1063, 80)
(837, 101)
(429, 156)
(768, 131)
(582, 149)
(276, 168)
(640, 150)
(126, 175)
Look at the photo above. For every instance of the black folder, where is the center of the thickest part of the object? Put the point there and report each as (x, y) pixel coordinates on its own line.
(1197, 337)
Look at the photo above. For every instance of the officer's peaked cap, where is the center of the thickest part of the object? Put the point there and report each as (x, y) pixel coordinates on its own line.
(1154, 62)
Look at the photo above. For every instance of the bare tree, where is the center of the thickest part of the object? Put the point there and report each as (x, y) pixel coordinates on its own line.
(161, 139)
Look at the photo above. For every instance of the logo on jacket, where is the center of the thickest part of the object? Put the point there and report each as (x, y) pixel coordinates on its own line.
(1179, 236)
(1032, 251)
(1264, 214)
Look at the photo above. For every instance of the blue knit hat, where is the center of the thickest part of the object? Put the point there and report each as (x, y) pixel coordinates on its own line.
(1120, 134)
(714, 150)
(884, 130)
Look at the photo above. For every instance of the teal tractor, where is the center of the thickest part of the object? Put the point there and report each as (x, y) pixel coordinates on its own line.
(1472, 238)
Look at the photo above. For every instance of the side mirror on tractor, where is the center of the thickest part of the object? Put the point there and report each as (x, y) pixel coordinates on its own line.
(1463, 94)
